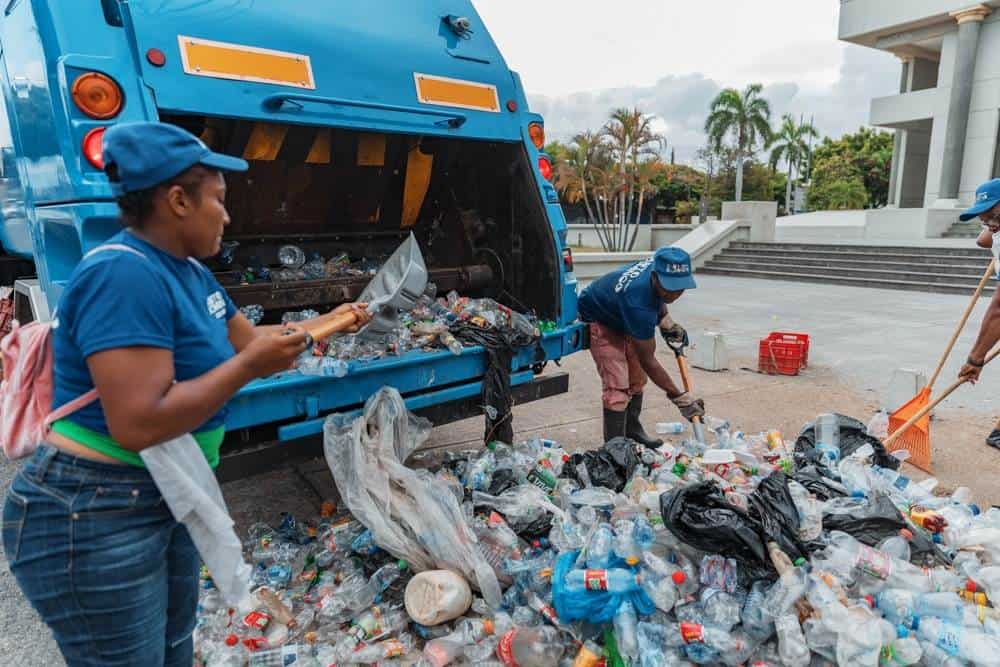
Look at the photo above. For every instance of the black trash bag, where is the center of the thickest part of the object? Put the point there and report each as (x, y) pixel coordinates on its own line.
(498, 403)
(774, 509)
(853, 434)
(879, 520)
(502, 479)
(611, 466)
(818, 481)
(700, 516)
(540, 527)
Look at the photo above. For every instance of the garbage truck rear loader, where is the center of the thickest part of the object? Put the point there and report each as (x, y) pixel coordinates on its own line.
(362, 123)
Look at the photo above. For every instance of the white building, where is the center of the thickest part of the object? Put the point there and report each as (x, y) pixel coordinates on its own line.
(946, 115)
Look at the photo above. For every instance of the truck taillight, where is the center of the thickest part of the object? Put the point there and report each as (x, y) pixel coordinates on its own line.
(544, 167)
(93, 147)
(537, 134)
(97, 95)
(568, 259)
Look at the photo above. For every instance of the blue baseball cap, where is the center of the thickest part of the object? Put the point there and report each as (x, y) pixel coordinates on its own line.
(672, 267)
(987, 196)
(147, 154)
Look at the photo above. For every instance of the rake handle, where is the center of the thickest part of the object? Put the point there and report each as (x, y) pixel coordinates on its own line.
(961, 324)
(933, 404)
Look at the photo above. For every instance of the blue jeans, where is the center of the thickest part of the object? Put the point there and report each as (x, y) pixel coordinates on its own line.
(96, 551)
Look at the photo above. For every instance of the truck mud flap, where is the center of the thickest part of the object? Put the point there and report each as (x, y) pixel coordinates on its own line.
(258, 450)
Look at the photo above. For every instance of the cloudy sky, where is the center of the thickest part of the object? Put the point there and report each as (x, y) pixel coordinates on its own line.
(580, 58)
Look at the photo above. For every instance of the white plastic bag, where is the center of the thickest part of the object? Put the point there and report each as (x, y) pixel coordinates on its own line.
(192, 493)
(411, 513)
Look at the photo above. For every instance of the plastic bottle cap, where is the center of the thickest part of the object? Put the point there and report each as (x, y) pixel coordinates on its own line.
(678, 577)
(916, 623)
(402, 564)
(975, 509)
(632, 560)
(970, 585)
(800, 561)
(902, 632)
(232, 640)
(906, 534)
(870, 600)
(858, 494)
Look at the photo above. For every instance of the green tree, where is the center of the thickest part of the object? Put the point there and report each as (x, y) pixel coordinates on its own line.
(634, 146)
(790, 144)
(837, 185)
(746, 118)
(870, 153)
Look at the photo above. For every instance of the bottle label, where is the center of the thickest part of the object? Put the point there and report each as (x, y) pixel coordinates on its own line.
(595, 580)
(948, 639)
(692, 633)
(255, 643)
(874, 563)
(505, 649)
(256, 619)
(392, 648)
(543, 479)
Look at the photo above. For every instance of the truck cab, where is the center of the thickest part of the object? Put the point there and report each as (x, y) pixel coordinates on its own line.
(362, 123)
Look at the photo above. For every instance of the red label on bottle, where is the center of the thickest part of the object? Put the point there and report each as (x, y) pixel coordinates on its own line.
(255, 643)
(692, 633)
(505, 649)
(256, 619)
(595, 580)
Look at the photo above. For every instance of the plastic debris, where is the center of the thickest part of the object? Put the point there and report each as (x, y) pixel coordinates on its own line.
(739, 551)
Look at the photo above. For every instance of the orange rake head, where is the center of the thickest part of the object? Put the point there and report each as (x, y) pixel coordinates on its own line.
(916, 439)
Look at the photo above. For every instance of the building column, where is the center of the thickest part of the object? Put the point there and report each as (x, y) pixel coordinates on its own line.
(897, 138)
(969, 22)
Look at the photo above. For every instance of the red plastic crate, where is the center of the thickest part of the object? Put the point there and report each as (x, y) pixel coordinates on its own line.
(783, 353)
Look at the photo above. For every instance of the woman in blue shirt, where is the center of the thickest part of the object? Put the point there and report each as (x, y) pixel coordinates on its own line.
(88, 536)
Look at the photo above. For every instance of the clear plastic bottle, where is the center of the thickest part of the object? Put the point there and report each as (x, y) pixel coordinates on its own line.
(383, 650)
(291, 256)
(879, 570)
(614, 580)
(828, 437)
(878, 426)
(625, 545)
(902, 651)
(670, 428)
(722, 609)
(897, 546)
(791, 642)
(958, 641)
(756, 621)
(597, 553)
(810, 512)
(625, 623)
(445, 650)
(537, 646)
(901, 606)
(662, 590)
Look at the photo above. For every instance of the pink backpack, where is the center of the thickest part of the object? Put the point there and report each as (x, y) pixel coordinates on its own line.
(26, 413)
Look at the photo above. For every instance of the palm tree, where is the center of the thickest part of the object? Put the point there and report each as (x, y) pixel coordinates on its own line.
(581, 176)
(746, 117)
(631, 138)
(789, 144)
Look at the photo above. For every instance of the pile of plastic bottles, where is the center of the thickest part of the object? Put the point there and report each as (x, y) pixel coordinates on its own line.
(426, 327)
(864, 566)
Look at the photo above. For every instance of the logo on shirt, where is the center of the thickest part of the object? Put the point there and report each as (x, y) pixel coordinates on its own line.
(631, 274)
(216, 305)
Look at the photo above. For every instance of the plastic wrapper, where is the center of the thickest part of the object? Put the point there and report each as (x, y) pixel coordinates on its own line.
(192, 493)
(590, 605)
(411, 513)
(611, 466)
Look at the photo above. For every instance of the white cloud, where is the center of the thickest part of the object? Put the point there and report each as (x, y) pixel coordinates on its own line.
(578, 59)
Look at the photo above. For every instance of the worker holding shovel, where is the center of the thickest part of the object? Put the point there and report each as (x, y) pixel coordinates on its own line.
(987, 209)
(624, 309)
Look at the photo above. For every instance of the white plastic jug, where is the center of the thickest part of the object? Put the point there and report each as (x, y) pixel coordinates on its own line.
(436, 596)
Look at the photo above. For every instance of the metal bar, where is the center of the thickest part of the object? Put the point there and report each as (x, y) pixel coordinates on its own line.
(276, 101)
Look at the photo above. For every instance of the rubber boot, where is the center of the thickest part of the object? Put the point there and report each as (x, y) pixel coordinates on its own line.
(633, 427)
(614, 424)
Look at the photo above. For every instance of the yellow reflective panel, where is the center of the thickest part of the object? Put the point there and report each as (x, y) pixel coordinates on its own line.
(320, 151)
(221, 60)
(418, 179)
(265, 141)
(371, 150)
(456, 93)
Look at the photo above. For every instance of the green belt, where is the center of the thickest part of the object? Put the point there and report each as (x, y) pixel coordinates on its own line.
(210, 441)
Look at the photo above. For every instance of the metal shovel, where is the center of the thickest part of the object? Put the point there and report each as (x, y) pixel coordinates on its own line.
(398, 285)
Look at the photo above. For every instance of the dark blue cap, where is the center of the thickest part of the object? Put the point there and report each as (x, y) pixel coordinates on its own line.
(672, 267)
(147, 154)
(987, 196)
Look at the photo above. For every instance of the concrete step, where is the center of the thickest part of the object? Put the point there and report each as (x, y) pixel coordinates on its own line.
(879, 250)
(942, 288)
(979, 260)
(907, 274)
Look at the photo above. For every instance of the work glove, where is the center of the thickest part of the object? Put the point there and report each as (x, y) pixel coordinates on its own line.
(690, 407)
(675, 335)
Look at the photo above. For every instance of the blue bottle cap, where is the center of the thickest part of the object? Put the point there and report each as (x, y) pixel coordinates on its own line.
(902, 632)
(858, 494)
(975, 509)
(915, 624)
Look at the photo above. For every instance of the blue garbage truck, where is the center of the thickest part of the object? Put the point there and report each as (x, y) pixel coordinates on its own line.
(362, 122)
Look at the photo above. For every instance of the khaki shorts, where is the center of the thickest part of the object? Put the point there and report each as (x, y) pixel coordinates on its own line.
(621, 375)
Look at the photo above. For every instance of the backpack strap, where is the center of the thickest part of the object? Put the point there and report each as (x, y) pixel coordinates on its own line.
(86, 399)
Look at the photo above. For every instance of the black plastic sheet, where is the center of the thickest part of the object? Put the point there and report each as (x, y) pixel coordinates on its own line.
(853, 434)
(611, 466)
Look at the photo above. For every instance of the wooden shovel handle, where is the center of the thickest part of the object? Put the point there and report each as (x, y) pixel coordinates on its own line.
(965, 318)
(682, 366)
(333, 325)
(933, 404)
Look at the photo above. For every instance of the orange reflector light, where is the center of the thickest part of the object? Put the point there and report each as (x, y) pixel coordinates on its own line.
(92, 147)
(97, 95)
(537, 134)
(545, 167)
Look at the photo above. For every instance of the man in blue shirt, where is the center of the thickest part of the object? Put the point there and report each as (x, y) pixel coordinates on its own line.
(624, 309)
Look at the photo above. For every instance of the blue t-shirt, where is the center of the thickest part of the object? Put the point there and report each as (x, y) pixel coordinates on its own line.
(624, 300)
(118, 299)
